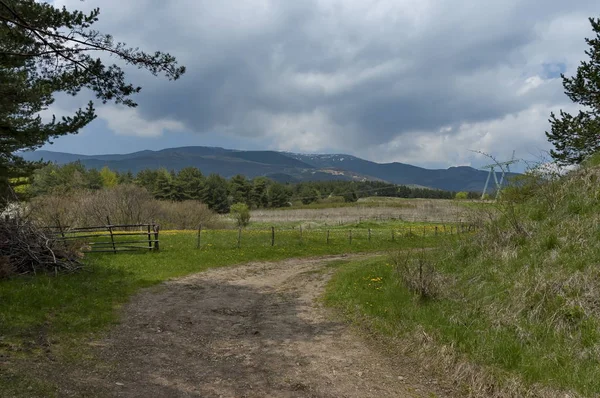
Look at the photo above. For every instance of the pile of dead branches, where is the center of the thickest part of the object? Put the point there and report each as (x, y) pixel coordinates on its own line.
(25, 248)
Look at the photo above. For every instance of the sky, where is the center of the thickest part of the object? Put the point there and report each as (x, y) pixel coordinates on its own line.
(429, 83)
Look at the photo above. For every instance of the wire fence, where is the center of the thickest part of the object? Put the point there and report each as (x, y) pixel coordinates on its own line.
(276, 236)
(120, 238)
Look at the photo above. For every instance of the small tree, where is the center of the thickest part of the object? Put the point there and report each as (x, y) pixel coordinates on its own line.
(461, 195)
(241, 214)
(577, 137)
(109, 177)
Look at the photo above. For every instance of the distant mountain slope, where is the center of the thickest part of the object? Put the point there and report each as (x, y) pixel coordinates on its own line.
(461, 178)
(281, 166)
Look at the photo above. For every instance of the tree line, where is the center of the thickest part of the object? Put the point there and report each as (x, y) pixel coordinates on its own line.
(217, 192)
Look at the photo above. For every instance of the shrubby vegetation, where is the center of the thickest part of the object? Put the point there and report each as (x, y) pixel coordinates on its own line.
(461, 195)
(241, 214)
(124, 204)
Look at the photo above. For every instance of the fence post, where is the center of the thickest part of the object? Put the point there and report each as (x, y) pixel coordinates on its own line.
(327, 236)
(60, 229)
(112, 238)
(149, 238)
(436, 230)
(156, 230)
(199, 236)
(444, 229)
(239, 240)
(350, 237)
(272, 236)
(369, 234)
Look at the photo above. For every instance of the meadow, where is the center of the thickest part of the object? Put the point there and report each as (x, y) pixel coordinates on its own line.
(42, 315)
(407, 210)
(54, 316)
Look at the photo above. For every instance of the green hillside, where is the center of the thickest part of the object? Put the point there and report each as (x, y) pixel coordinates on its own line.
(513, 310)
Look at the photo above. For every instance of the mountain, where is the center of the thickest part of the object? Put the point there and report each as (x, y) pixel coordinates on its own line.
(280, 166)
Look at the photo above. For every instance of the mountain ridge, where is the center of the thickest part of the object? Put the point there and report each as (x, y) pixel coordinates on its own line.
(281, 166)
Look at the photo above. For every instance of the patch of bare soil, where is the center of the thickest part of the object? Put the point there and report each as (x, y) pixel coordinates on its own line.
(255, 330)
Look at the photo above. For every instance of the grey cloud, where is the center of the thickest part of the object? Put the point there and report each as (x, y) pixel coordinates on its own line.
(450, 63)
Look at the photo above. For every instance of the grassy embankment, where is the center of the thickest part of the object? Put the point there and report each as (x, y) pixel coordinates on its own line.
(513, 311)
(45, 316)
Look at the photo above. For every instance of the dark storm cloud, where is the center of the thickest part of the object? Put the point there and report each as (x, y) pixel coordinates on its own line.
(363, 74)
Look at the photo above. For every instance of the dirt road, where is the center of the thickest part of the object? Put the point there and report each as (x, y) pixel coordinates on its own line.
(249, 331)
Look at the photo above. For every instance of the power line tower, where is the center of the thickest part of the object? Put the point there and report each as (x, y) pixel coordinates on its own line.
(505, 167)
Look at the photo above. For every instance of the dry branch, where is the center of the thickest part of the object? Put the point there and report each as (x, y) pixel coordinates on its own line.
(25, 248)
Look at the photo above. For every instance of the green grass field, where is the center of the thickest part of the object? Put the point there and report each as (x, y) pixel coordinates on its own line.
(527, 349)
(66, 307)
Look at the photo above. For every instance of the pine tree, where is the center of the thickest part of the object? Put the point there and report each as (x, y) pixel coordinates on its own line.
(577, 137)
(259, 197)
(279, 195)
(215, 194)
(45, 50)
(147, 178)
(164, 189)
(189, 183)
(240, 189)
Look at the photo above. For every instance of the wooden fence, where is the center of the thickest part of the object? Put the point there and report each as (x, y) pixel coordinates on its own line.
(110, 238)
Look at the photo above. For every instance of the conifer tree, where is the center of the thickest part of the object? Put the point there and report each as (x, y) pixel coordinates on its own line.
(577, 137)
(45, 50)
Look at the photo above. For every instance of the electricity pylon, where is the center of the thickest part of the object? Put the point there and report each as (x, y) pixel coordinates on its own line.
(505, 167)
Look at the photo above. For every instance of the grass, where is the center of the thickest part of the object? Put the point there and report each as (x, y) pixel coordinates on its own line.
(371, 201)
(400, 227)
(43, 313)
(409, 210)
(528, 350)
(516, 304)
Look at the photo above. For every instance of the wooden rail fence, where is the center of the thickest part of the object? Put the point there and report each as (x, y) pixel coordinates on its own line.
(111, 238)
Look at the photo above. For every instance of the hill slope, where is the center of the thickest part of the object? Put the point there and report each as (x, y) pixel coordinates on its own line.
(281, 166)
(515, 306)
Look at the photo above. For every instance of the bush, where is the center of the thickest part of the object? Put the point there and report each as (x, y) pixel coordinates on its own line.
(123, 204)
(461, 195)
(417, 274)
(241, 214)
(188, 214)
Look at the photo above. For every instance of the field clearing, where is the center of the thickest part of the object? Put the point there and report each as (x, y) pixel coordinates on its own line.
(410, 210)
(47, 319)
